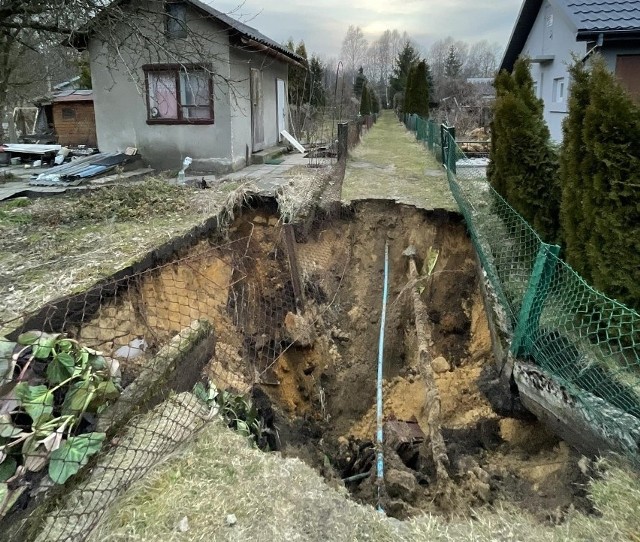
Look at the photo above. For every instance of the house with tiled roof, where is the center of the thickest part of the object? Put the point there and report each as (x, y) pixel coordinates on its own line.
(554, 32)
(179, 79)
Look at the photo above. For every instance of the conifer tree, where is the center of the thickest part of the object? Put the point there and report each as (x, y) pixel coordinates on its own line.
(575, 227)
(419, 91)
(375, 102)
(358, 85)
(407, 101)
(365, 101)
(317, 91)
(609, 182)
(406, 59)
(523, 165)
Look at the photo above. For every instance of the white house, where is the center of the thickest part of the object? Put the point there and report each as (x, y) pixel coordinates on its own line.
(552, 32)
(180, 78)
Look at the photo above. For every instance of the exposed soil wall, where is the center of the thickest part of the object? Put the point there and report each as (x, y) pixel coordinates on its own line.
(308, 356)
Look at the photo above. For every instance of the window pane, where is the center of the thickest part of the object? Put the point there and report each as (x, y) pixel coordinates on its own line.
(163, 103)
(176, 20)
(195, 95)
(194, 88)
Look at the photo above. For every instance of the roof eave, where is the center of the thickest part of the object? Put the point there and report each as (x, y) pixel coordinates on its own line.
(524, 23)
(610, 34)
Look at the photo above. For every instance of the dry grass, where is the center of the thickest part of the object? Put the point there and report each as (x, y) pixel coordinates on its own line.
(283, 499)
(61, 245)
(391, 164)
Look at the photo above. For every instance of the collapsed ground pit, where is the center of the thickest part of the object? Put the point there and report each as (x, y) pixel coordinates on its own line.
(297, 317)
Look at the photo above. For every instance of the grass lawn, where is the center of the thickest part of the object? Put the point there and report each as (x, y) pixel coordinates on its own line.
(391, 164)
(278, 499)
(53, 246)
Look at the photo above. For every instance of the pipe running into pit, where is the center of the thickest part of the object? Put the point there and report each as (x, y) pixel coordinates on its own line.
(383, 318)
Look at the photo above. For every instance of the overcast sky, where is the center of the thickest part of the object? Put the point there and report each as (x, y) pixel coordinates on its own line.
(323, 23)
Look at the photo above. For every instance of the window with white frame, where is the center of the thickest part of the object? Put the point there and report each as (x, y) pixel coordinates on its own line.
(178, 94)
(559, 89)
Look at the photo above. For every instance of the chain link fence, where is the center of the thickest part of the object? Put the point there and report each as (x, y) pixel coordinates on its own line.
(588, 343)
(97, 387)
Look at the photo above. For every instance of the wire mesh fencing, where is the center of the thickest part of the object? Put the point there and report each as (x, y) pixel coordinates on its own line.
(588, 343)
(427, 131)
(97, 387)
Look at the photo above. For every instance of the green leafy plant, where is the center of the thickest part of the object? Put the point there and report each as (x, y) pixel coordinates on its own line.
(236, 410)
(51, 388)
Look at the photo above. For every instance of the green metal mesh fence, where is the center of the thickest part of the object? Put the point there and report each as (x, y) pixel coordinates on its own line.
(589, 344)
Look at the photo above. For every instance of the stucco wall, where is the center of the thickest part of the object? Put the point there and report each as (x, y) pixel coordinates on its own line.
(120, 96)
(560, 42)
(610, 53)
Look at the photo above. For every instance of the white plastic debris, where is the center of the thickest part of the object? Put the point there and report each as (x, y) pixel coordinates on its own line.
(183, 525)
(232, 520)
(132, 350)
(185, 165)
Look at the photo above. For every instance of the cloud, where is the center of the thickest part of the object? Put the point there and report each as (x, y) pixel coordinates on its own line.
(322, 25)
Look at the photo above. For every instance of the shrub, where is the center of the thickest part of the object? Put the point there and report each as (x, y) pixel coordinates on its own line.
(524, 164)
(601, 183)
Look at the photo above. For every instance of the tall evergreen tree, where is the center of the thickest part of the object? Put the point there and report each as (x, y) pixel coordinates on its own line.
(318, 97)
(407, 105)
(375, 102)
(606, 181)
(365, 101)
(298, 76)
(453, 63)
(575, 227)
(358, 84)
(523, 166)
(407, 57)
(417, 94)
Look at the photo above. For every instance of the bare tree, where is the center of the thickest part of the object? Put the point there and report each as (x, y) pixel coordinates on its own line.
(354, 49)
(483, 59)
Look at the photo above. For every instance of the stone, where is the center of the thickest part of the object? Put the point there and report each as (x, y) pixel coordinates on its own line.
(183, 525)
(401, 484)
(231, 520)
(299, 330)
(440, 365)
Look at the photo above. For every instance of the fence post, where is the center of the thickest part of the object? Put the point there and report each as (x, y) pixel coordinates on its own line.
(533, 300)
(445, 133)
(343, 138)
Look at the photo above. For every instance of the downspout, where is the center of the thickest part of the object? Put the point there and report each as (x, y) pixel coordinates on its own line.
(597, 46)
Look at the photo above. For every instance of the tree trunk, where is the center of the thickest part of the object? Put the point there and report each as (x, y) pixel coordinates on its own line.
(432, 406)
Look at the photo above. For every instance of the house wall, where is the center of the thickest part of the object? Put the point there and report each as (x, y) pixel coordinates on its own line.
(120, 94)
(79, 130)
(559, 41)
(610, 53)
(272, 69)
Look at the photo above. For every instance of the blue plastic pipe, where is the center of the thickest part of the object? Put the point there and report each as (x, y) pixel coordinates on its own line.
(379, 436)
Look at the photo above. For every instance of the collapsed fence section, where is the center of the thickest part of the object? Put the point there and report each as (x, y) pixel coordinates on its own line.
(586, 342)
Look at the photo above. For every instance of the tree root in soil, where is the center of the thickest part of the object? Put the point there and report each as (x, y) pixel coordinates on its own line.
(432, 405)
